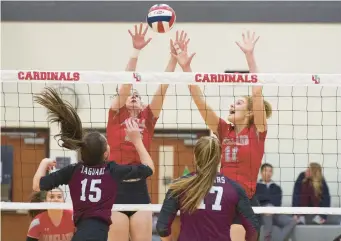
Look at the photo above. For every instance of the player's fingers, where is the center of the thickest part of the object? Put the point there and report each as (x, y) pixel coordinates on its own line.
(128, 123)
(239, 44)
(253, 35)
(135, 27)
(191, 57)
(177, 48)
(140, 30)
(135, 125)
(171, 43)
(185, 37)
(181, 35)
(256, 40)
(243, 36)
(174, 55)
(145, 31)
(131, 34)
(248, 34)
(177, 36)
(187, 42)
(185, 48)
(148, 41)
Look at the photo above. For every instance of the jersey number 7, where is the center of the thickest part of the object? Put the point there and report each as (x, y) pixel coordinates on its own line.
(216, 206)
(95, 193)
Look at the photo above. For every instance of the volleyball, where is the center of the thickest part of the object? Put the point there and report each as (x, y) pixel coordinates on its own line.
(161, 18)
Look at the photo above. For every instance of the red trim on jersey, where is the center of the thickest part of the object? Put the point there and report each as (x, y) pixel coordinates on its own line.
(242, 154)
(121, 149)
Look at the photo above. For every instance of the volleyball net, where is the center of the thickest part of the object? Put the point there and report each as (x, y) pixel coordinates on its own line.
(305, 127)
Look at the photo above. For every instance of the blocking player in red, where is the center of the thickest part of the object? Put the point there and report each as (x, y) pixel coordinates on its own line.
(128, 104)
(50, 224)
(208, 201)
(243, 133)
(93, 182)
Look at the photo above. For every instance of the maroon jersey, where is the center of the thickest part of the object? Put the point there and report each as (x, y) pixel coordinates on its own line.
(93, 188)
(214, 217)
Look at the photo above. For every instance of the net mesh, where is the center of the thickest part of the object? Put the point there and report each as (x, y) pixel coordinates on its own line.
(305, 127)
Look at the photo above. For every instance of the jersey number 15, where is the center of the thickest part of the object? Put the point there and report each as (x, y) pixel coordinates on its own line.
(216, 206)
(95, 193)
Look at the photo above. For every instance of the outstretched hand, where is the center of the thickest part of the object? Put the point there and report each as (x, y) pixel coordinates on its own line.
(138, 38)
(249, 42)
(132, 130)
(181, 40)
(179, 50)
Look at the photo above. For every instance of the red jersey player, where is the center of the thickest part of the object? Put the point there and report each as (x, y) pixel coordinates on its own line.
(128, 104)
(50, 224)
(244, 136)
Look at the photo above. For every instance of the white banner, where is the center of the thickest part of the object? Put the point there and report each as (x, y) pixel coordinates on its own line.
(171, 78)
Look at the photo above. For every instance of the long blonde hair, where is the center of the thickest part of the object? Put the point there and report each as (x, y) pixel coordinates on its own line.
(316, 178)
(207, 153)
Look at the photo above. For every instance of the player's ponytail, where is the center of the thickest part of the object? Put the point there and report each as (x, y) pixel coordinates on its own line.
(193, 189)
(37, 197)
(60, 111)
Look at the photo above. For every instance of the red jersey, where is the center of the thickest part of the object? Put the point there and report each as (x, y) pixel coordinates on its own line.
(122, 150)
(242, 154)
(43, 229)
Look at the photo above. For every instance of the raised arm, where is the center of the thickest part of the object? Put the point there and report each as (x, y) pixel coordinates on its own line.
(247, 46)
(139, 42)
(53, 180)
(126, 172)
(159, 96)
(135, 137)
(207, 113)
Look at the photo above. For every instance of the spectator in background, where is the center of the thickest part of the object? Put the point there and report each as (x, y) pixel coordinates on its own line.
(270, 194)
(311, 190)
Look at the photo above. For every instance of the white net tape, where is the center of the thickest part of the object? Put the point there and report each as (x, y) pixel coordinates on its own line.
(310, 130)
(157, 207)
(173, 78)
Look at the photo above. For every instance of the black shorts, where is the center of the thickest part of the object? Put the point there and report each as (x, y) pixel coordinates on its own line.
(254, 203)
(91, 230)
(132, 193)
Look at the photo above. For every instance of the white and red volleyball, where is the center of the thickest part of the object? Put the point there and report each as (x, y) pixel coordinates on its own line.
(161, 18)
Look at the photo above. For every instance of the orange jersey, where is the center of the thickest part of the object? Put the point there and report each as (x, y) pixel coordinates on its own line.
(242, 154)
(122, 150)
(43, 229)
